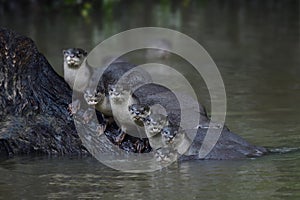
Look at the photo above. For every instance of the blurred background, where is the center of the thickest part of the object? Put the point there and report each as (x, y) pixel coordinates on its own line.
(256, 47)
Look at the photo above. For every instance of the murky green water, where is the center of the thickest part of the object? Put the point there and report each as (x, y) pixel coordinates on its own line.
(256, 48)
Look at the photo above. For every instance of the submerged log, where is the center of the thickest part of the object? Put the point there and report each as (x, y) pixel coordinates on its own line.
(34, 116)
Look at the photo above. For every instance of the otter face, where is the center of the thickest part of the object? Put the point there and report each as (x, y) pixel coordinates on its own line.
(74, 57)
(154, 123)
(138, 112)
(118, 94)
(93, 98)
(170, 134)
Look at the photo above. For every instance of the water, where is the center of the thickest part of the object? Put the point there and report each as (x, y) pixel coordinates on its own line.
(271, 177)
(256, 48)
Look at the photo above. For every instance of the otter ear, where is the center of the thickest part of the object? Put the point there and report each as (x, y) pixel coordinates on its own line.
(64, 51)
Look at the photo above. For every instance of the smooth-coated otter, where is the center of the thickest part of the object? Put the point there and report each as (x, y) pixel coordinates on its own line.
(166, 140)
(154, 123)
(138, 113)
(175, 138)
(99, 100)
(73, 59)
(120, 97)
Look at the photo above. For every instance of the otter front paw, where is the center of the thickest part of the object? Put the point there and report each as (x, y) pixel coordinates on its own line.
(139, 145)
(88, 115)
(74, 107)
(120, 137)
(100, 129)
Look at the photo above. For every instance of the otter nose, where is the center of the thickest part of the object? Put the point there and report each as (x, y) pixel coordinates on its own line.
(137, 112)
(72, 55)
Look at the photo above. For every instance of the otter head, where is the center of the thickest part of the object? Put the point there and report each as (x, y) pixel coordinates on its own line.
(74, 57)
(154, 123)
(170, 134)
(118, 93)
(138, 113)
(93, 98)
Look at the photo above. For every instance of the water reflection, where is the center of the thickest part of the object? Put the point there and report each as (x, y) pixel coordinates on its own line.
(271, 177)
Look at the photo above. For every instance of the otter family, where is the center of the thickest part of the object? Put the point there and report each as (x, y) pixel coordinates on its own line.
(36, 109)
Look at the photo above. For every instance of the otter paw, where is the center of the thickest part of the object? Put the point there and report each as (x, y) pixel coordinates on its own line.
(139, 145)
(74, 107)
(88, 115)
(100, 129)
(120, 137)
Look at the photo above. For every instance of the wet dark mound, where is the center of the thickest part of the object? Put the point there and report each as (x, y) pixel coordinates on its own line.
(33, 102)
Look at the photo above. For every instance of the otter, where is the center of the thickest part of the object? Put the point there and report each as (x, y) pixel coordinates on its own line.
(99, 100)
(73, 59)
(138, 113)
(176, 138)
(154, 123)
(120, 97)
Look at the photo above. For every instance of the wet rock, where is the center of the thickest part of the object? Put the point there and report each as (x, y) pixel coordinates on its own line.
(34, 100)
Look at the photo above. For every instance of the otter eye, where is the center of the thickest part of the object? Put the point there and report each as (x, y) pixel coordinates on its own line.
(147, 120)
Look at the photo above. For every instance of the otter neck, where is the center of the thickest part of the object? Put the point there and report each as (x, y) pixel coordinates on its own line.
(82, 81)
(104, 107)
